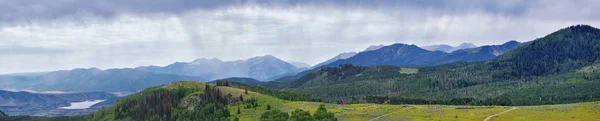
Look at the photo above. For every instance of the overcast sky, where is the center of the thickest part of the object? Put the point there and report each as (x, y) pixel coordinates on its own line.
(45, 35)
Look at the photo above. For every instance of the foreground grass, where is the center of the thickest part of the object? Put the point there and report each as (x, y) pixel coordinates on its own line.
(589, 111)
(378, 112)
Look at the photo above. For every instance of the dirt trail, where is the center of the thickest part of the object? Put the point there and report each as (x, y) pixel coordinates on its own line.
(490, 117)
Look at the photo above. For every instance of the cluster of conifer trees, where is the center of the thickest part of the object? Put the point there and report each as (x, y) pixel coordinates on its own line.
(299, 115)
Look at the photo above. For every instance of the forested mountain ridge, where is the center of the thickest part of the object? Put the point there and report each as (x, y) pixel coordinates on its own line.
(396, 54)
(516, 78)
(562, 51)
(411, 56)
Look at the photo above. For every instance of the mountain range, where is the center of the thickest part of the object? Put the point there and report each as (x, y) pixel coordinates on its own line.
(557, 68)
(414, 56)
(261, 68)
(92, 79)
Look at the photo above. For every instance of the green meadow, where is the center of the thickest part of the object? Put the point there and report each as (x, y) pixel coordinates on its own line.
(587, 111)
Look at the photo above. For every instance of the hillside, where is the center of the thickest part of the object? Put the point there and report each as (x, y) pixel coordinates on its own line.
(261, 68)
(541, 72)
(191, 101)
(562, 51)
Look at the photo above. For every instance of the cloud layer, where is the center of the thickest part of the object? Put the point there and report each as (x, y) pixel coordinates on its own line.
(63, 34)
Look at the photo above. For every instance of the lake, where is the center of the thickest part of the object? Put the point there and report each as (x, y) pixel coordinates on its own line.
(82, 105)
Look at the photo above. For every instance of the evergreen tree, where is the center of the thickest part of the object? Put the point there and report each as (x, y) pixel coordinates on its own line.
(322, 115)
(301, 115)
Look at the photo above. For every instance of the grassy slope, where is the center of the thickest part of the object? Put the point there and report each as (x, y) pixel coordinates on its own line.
(588, 111)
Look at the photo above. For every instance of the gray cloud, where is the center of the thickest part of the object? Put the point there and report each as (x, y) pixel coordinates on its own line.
(23, 11)
(64, 34)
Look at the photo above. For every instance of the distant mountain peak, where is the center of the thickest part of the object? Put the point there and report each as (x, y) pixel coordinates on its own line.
(512, 42)
(373, 47)
(204, 60)
(299, 64)
(269, 57)
(466, 45)
(335, 58)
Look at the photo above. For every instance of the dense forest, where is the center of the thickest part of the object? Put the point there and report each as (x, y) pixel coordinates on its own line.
(547, 70)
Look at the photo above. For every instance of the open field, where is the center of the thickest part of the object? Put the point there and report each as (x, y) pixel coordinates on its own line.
(587, 111)
(409, 70)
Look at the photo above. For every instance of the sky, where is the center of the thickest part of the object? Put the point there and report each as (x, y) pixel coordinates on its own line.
(51, 35)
